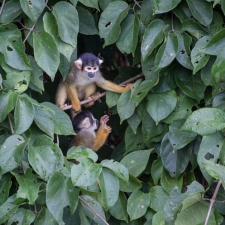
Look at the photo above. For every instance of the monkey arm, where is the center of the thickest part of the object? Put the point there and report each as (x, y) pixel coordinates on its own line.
(110, 86)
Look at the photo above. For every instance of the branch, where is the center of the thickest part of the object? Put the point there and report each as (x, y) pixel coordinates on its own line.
(95, 213)
(212, 200)
(104, 93)
(3, 3)
(32, 28)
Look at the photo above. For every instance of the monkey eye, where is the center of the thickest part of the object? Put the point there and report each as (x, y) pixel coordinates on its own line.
(94, 68)
(88, 68)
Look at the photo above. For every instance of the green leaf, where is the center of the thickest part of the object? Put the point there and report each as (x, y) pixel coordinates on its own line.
(94, 205)
(45, 217)
(128, 38)
(215, 44)
(133, 141)
(205, 121)
(7, 103)
(8, 209)
(120, 170)
(44, 120)
(136, 162)
(191, 85)
(153, 36)
(90, 3)
(62, 122)
(59, 194)
(11, 153)
(194, 28)
(158, 218)
(167, 52)
(156, 170)
(22, 216)
(85, 173)
(45, 158)
(110, 20)
(174, 162)
(162, 6)
(46, 53)
(112, 98)
(33, 8)
(159, 106)
(134, 121)
(68, 22)
(146, 12)
(184, 41)
(11, 10)
(201, 10)
(28, 187)
(24, 114)
(179, 138)
(5, 185)
(109, 185)
(137, 204)
(218, 68)
(131, 185)
(81, 151)
(125, 106)
(50, 26)
(158, 198)
(182, 11)
(13, 50)
(199, 59)
(86, 22)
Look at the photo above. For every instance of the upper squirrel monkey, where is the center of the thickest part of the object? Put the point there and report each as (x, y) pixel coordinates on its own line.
(85, 126)
(80, 83)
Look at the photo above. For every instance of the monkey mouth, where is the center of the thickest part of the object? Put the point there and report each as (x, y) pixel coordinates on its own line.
(91, 75)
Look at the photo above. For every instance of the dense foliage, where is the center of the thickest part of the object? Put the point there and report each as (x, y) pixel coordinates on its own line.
(164, 163)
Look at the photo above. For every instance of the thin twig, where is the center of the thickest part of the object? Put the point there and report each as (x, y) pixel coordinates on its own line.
(10, 124)
(3, 3)
(212, 200)
(96, 214)
(104, 93)
(137, 3)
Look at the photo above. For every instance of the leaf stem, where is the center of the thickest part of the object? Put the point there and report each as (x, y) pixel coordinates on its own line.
(104, 93)
(96, 214)
(212, 200)
(3, 3)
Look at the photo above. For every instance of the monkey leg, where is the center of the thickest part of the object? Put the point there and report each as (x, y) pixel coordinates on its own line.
(72, 93)
(61, 96)
(90, 94)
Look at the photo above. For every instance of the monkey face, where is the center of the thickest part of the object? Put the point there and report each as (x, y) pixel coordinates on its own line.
(91, 70)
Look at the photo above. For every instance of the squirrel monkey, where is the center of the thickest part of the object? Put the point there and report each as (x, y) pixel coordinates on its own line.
(85, 126)
(80, 83)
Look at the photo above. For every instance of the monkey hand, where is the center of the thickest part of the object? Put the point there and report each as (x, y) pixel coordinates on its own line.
(104, 119)
(93, 97)
(128, 87)
(76, 107)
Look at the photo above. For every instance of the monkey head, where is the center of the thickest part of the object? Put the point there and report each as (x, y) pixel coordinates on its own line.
(85, 120)
(89, 64)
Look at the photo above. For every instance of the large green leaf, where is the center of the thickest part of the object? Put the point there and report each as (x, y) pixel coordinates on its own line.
(109, 185)
(68, 22)
(202, 11)
(146, 12)
(191, 85)
(85, 173)
(153, 36)
(50, 26)
(28, 187)
(45, 217)
(199, 59)
(128, 38)
(33, 8)
(7, 103)
(167, 52)
(45, 157)
(136, 162)
(90, 3)
(159, 106)
(162, 6)
(134, 121)
(132, 185)
(24, 114)
(205, 121)
(219, 68)
(11, 153)
(46, 53)
(60, 193)
(86, 22)
(137, 204)
(110, 20)
(215, 44)
(22, 216)
(5, 186)
(11, 10)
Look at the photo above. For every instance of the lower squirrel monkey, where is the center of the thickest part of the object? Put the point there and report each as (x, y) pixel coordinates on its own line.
(80, 83)
(85, 126)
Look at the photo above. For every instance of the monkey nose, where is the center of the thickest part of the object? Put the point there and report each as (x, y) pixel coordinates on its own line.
(91, 74)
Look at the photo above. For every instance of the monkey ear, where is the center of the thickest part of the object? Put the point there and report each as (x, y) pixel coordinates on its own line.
(78, 63)
(100, 61)
(86, 123)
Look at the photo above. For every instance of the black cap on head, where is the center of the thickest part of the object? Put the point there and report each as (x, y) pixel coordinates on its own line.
(89, 59)
(80, 117)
